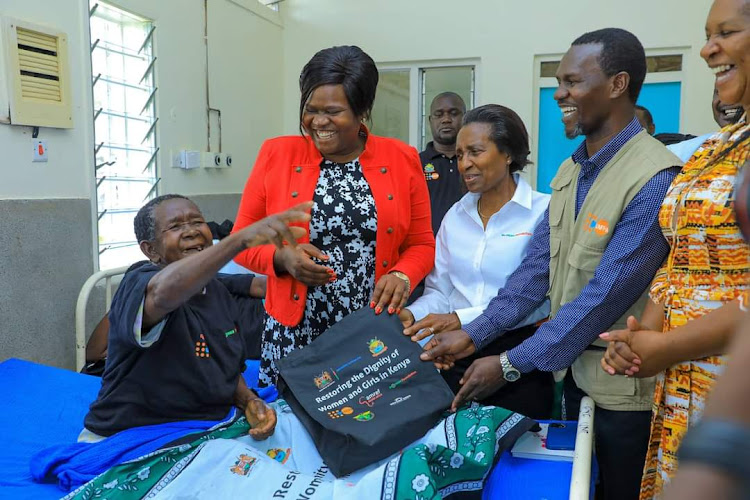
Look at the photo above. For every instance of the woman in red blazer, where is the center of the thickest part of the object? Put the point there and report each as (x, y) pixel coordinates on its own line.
(369, 237)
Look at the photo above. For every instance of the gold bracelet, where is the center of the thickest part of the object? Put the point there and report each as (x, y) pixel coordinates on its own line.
(404, 277)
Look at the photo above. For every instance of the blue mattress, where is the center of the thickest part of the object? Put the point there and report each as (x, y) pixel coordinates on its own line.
(42, 406)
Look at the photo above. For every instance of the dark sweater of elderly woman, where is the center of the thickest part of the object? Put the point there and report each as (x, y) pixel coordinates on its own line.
(370, 235)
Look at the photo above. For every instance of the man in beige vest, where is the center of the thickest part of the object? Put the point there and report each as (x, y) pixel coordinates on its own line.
(593, 255)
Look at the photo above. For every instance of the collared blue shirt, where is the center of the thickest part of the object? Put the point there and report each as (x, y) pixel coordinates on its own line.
(634, 254)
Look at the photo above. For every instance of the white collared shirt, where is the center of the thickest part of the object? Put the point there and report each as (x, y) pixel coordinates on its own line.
(472, 263)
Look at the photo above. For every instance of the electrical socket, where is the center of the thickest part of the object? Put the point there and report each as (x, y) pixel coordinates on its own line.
(211, 160)
(217, 160)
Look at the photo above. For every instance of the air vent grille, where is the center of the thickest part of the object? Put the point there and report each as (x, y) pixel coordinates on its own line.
(38, 66)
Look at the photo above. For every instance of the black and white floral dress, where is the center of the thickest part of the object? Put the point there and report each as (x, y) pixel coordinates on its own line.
(343, 226)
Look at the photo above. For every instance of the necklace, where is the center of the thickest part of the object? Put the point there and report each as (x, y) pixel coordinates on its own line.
(479, 210)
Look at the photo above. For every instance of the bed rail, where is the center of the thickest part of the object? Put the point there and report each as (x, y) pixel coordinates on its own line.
(83, 298)
(580, 476)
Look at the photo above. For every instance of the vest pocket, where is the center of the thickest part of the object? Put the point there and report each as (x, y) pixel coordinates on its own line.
(585, 258)
(556, 209)
(554, 260)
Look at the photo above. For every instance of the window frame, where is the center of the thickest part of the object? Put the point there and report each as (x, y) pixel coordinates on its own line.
(148, 115)
(416, 91)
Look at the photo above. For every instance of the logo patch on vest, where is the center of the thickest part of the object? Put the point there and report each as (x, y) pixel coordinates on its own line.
(596, 225)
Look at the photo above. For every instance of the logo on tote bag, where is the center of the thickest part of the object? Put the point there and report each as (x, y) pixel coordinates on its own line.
(377, 347)
(364, 416)
(323, 380)
(243, 465)
(280, 455)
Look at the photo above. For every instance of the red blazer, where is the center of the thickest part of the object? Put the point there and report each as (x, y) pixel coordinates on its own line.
(285, 174)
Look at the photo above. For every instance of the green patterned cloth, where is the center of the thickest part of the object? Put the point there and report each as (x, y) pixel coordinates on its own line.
(455, 456)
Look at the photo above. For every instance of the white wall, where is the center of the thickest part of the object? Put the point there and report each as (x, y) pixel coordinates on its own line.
(246, 71)
(245, 67)
(69, 171)
(505, 35)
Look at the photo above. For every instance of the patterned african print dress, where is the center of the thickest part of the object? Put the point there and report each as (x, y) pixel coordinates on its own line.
(708, 266)
(343, 226)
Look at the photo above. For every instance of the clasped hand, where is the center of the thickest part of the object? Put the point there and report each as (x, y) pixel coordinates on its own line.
(635, 352)
(390, 292)
(297, 261)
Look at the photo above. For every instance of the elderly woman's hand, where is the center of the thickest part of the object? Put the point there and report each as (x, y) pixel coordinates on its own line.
(275, 229)
(261, 417)
(432, 324)
(391, 292)
(297, 261)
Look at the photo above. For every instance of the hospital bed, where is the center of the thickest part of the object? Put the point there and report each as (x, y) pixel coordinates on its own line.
(43, 406)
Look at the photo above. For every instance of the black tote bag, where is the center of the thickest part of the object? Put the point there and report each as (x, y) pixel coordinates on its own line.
(361, 390)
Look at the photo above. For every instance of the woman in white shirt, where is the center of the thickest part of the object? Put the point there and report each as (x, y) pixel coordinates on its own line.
(482, 240)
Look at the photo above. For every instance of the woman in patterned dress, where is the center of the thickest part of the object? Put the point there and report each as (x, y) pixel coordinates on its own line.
(701, 287)
(370, 235)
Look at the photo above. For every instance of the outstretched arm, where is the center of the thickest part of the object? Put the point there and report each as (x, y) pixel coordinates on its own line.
(180, 280)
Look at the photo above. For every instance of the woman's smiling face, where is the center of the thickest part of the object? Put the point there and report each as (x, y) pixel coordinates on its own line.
(334, 128)
(727, 49)
(480, 163)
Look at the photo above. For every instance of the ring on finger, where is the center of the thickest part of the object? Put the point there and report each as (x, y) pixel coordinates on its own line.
(432, 330)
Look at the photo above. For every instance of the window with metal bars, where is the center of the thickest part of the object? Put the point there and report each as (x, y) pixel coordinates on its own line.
(434, 81)
(123, 66)
(404, 95)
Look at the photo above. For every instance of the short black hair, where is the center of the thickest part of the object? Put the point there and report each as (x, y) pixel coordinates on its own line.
(346, 65)
(449, 94)
(507, 132)
(621, 51)
(144, 223)
(646, 113)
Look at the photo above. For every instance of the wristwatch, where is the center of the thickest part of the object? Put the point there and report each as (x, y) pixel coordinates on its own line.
(510, 372)
(404, 277)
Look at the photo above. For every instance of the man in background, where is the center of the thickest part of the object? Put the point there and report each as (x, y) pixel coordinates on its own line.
(439, 157)
(645, 119)
(724, 114)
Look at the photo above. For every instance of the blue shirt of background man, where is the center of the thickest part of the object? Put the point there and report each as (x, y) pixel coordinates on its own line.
(185, 368)
(634, 254)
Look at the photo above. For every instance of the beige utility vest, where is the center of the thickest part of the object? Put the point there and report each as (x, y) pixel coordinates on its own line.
(577, 245)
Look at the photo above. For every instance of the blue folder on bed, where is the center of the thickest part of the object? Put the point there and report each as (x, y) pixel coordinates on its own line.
(41, 406)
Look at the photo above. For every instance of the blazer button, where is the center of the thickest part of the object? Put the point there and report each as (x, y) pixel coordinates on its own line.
(389, 230)
(298, 169)
(295, 297)
(383, 170)
(390, 196)
(385, 263)
(294, 194)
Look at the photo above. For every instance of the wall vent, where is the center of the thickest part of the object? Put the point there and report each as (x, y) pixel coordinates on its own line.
(38, 75)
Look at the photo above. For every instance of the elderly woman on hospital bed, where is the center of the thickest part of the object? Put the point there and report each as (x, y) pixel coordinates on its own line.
(175, 352)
